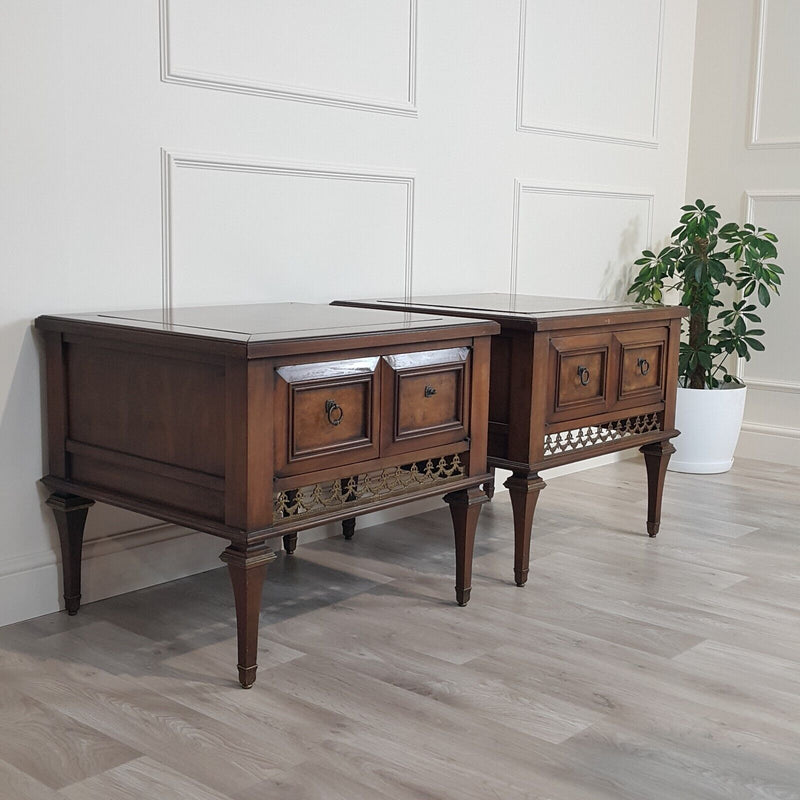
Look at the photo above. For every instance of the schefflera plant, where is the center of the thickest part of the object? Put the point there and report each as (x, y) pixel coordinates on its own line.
(699, 262)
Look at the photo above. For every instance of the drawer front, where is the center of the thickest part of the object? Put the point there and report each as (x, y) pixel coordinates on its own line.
(642, 364)
(579, 369)
(329, 413)
(426, 398)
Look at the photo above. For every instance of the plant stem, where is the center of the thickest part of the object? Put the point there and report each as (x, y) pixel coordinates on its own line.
(698, 324)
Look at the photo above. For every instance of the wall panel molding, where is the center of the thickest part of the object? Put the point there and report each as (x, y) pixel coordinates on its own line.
(650, 141)
(790, 387)
(95, 548)
(769, 443)
(757, 141)
(243, 85)
(171, 162)
(752, 196)
(770, 429)
(30, 584)
(601, 192)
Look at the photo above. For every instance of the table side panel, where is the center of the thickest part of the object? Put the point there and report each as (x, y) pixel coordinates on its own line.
(159, 407)
(56, 394)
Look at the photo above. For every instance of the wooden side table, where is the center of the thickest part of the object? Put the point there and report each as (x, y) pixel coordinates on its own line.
(255, 422)
(570, 379)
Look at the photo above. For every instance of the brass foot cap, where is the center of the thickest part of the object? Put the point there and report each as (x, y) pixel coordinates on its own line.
(247, 676)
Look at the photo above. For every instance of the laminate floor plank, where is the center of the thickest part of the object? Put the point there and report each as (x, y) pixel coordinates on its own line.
(159, 727)
(682, 764)
(628, 668)
(751, 715)
(73, 750)
(502, 700)
(318, 781)
(18, 785)
(138, 779)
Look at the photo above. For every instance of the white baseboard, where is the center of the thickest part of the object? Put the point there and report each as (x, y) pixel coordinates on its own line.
(769, 443)
(30, 585)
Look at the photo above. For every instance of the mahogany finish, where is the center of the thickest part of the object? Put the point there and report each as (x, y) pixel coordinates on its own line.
(570, 379)
(70, 512)
(255, 422)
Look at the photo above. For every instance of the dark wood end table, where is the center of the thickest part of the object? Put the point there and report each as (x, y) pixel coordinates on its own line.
(570, 379)
(255, 422)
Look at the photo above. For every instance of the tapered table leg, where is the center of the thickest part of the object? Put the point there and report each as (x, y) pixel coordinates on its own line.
(465, 507)
(70, 512)
(350, 490)
(290, 540)
(247, 568)
(656, 458)
(488, 487)
(523, 488)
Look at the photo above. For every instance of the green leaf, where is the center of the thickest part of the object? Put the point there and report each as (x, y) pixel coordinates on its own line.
(767, 249)
(700, 204)
(763, 294)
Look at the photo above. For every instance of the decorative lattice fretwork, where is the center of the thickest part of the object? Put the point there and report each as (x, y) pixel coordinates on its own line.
(591, 435)
(366, 487)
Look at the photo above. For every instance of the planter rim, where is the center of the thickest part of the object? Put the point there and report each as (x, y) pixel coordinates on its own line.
(724, 388)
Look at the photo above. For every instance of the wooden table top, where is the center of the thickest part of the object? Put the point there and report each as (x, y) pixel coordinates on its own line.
(529, 311)
(270, 323)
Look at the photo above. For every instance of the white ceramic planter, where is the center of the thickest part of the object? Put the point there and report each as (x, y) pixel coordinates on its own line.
(709, 421)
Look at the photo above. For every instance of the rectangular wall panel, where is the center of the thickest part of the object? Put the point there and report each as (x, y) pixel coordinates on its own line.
(776, 102)
(591, 69)
(779, 212)
(551, 259)
(357, 53)
(771, 429)
(247, 232)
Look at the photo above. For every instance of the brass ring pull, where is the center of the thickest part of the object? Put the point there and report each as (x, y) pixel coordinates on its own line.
(583, 375)
(331, 409)
(430, 391)
(644, 366)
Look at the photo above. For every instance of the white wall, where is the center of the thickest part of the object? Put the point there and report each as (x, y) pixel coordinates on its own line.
(187, 151)
(745, 155)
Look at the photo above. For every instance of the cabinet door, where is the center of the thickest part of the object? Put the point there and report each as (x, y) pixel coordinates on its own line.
(329, 414)
(642, 365)
(426, 399)
(579, 375)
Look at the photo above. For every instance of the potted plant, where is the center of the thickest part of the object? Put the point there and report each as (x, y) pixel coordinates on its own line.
(722, 277)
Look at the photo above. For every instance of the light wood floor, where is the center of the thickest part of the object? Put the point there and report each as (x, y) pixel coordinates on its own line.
(627, 668)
